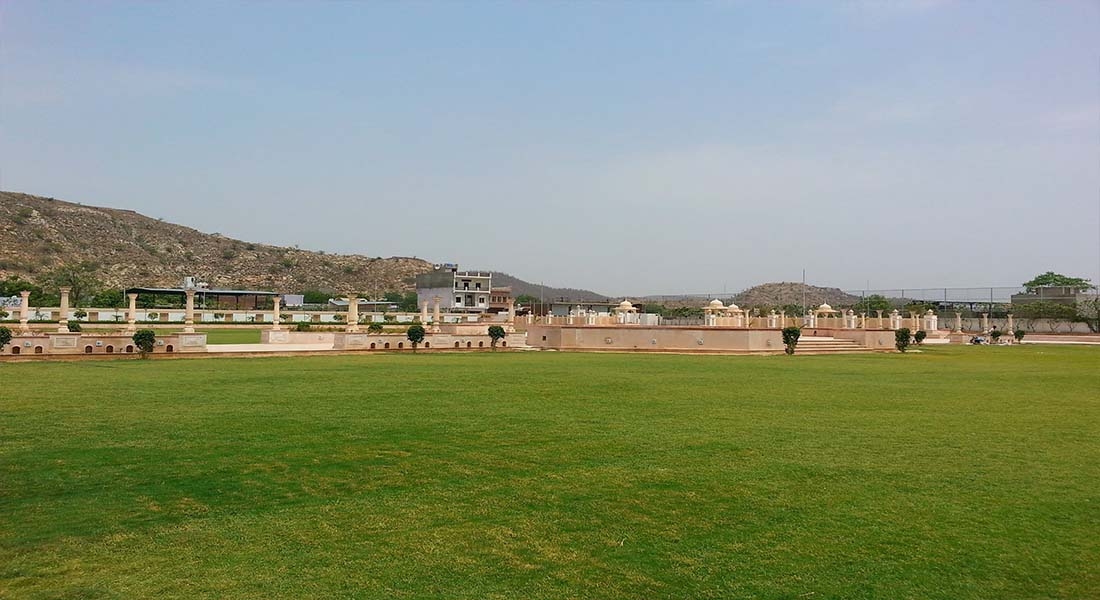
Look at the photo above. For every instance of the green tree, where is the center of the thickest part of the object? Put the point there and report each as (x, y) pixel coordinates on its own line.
(80, 314)
(1052, 279)
(80, 278)
(415, 334)
(5, 337)
(315, 297)
(110, 299)
(496, 333)
(872, 303)
(145, 340)
(526, 299)
(408, 302)
(1053, 312)
(13, 285)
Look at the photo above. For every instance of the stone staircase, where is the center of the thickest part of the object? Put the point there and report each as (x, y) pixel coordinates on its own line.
(829, 345)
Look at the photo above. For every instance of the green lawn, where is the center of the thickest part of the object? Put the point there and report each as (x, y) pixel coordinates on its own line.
(232, 336)
(962, 472)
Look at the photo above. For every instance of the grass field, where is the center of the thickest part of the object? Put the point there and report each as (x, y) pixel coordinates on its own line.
(232, 336)
(959, 472)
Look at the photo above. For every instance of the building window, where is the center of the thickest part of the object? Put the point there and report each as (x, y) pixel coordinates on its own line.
(477, 286)
(458, 300)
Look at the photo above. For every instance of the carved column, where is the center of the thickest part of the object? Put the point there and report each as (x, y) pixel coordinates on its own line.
(63, 320)
(189, 311)
(353, 314)
(24, 312)
(131, 314)
(276, 318)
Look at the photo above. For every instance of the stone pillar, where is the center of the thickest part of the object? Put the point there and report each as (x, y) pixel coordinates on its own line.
(353, 314)
(276, 322)
(511, 310)
(63, 320)
(1011, 324)
(189, 312)
(424, 312)
(131, 314)
(878, 318)
(985, 321)
(895, 319)
(863, 320)
(24, 312)
(782, 319)
(436, 320)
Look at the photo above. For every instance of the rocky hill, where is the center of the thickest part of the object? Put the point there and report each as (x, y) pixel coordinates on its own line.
(779, 294)
(521, 287)
(124, 248)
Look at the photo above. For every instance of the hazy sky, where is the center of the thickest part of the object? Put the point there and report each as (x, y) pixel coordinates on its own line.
(639, 147)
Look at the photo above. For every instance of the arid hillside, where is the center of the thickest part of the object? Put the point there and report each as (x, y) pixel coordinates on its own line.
(124, 248)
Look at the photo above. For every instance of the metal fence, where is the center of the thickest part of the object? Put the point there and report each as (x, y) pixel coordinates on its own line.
(968, 296)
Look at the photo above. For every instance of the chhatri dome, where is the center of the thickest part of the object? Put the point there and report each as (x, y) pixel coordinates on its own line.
(716, 303)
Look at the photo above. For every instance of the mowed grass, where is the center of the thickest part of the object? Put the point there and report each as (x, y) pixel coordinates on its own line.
(232, 336)
(961, 472)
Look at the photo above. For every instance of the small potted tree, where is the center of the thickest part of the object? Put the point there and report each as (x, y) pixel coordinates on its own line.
(790, 338)
(415, 334)
(145, 340)
(919, 336)
(902, 337)
(1019, 335)
(496, 333)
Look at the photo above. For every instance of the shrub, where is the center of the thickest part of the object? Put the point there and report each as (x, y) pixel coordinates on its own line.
(375, 328)
(145, 340)
(790, 338)
(74, 326)
(1019, 335)
(996, 335)
(5, 337)
(80, 314)
(496, 333)
(919, 336)
(902, 338)
(3, 314)
(415, 335)
(302, 326)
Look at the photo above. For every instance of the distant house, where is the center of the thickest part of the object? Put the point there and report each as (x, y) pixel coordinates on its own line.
(1056, 294)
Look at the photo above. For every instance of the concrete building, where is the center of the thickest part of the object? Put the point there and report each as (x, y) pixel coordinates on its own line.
(458, 291)
(500, 299)
(1057, 294)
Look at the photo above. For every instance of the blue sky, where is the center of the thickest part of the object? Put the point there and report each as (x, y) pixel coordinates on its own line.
(630, 148)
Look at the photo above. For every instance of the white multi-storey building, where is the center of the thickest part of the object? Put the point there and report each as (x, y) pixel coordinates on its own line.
(458, 291)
